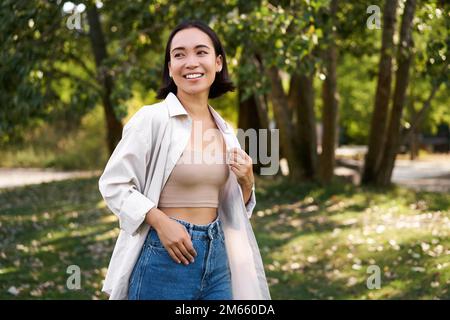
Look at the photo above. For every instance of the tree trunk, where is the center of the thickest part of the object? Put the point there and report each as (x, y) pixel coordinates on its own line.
(413, 145)
(249, 119)
(113, 125)
(302, 99)
(287, 133)
(381, 109)
(261, 100)
(262, 105)
(404, 57)
(330, 105)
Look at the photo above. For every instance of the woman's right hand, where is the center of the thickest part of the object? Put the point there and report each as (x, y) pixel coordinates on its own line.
(173, 236)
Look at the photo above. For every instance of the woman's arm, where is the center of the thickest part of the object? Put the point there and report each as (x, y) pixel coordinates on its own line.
(247, 190)
(122, 181)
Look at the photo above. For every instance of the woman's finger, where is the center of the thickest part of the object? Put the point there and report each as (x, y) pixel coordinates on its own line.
(173, 255)
(237, 172)
(238, 158)
(186, 252)
(190, 247)
(180, 255)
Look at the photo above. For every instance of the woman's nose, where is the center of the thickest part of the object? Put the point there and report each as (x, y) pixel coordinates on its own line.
(191, 61)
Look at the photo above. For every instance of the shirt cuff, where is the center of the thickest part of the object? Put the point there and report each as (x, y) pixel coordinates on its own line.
(133, 212)
(251, 203)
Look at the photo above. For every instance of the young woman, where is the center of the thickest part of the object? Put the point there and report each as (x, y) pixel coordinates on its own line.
(182, 187)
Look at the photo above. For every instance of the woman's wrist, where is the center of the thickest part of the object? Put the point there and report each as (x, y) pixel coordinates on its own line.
(154, 217)
(247, 184)
(247, 190)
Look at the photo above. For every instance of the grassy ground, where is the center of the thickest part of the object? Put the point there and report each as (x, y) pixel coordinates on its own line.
(317, 243)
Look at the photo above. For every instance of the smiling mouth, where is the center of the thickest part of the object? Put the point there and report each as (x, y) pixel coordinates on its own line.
(193, 76)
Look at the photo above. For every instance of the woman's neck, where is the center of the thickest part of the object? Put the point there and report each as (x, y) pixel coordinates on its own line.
(195, 105)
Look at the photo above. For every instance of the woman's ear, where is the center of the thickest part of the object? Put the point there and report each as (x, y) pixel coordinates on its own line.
(219, 63)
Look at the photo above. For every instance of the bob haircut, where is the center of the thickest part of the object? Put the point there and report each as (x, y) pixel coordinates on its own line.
(222, 83)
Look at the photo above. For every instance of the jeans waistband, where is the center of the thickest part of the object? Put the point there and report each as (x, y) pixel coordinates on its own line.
(210, 231)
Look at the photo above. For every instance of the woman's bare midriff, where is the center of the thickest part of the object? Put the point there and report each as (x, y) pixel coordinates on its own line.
(192, 215)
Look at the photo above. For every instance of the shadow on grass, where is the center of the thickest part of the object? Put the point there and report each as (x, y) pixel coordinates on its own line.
(336, 276)
(48, 227)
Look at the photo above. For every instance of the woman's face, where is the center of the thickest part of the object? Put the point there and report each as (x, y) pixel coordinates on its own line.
(193, 63)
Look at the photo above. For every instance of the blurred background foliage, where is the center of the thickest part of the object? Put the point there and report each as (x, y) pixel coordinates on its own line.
(65, 92)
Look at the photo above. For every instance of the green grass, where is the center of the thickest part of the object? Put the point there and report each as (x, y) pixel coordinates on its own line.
(45, 229)
(316, 242)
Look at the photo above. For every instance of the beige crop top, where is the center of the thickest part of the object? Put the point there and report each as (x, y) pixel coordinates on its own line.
(195, 181)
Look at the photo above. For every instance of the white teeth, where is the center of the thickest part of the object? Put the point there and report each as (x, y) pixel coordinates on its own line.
(193, 76)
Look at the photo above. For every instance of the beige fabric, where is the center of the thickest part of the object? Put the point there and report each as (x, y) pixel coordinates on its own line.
(193, 184)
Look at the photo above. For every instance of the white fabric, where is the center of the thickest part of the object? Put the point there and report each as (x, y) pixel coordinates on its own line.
(152, 142)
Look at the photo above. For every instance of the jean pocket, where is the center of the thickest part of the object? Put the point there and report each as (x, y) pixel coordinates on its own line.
(156, 246)
(154, 242)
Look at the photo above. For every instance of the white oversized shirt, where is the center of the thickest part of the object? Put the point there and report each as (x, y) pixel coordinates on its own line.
(152, 142)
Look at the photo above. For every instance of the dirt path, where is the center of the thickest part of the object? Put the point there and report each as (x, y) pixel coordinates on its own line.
(430, 173)
(16, 177)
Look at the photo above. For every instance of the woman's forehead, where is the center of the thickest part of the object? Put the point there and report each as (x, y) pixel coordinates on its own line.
(190, 38)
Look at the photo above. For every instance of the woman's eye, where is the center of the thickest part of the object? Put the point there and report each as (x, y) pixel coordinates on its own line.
(177, 55)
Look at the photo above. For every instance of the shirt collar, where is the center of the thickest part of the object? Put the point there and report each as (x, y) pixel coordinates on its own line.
(176, 109)
(175, 106)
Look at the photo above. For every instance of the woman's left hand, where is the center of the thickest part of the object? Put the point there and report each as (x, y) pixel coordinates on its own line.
(242, 166)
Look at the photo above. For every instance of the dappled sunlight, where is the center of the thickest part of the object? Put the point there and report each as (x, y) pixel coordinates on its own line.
(101, 204)
(40, 241)
(108, 235)
(326, 255)
(316, 243)
(110, 218)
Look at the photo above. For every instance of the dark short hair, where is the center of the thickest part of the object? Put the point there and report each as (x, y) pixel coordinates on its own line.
(222, 83)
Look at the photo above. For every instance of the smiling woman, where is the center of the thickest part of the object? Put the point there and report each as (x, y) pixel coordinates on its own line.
(185, 226)
(195, 63)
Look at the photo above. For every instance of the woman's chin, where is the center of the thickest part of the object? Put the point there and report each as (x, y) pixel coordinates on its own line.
(194, 92)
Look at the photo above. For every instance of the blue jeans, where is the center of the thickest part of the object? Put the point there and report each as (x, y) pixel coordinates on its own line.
(156, 276)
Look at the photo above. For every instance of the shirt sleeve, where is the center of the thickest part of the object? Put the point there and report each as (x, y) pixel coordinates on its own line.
(250, 206)
(122, 181)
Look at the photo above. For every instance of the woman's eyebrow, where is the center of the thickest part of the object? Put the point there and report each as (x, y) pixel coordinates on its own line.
(196, 47)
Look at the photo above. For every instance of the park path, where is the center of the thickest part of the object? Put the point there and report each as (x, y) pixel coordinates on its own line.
(16, 177)
(428, 173)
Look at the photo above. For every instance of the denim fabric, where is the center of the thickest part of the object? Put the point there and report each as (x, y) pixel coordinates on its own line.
(156, 276)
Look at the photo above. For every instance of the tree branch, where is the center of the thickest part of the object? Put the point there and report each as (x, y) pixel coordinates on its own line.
(65, 74)
(82, 64)
(419, 116)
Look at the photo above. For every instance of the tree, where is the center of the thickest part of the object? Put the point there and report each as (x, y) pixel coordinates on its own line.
(404, 56)
(79, 73)
(283, 36)
(429, 74)
(105, 79)
(382, 95)
(330, 101)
